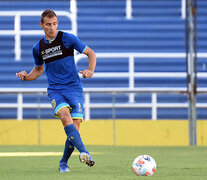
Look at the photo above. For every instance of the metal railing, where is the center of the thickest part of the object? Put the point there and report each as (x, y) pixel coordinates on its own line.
(183, 9)
(129, 9)
(131, 74)
(154, 105)
(131, 90)
(17, 32)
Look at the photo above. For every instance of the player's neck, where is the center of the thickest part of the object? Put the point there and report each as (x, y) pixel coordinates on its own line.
(50, 39)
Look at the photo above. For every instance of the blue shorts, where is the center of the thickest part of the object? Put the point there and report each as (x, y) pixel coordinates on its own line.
(72, 100)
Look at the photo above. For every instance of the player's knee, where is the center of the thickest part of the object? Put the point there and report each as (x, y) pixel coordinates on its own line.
(64, 116)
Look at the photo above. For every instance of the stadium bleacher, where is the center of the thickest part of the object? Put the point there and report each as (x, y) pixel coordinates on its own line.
(156, 27)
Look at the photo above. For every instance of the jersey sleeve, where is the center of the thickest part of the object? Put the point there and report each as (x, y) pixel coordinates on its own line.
(38, 61)
(72, 41)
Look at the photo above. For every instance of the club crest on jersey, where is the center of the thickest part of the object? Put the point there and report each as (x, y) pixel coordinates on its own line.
(53, 104)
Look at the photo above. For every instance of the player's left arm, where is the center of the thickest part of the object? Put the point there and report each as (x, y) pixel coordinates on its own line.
(88, 73)
(73, 41)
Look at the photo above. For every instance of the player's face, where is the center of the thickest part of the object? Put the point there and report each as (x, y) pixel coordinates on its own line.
(49, 26)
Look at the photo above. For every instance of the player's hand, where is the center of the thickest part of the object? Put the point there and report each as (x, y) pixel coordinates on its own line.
(87, 73)
(22, 75)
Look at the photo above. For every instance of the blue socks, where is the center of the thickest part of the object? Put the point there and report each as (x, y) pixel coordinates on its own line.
(69, 148)
(74, 137)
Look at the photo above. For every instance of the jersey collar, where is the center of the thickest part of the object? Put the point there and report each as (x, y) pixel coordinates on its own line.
(48, 41)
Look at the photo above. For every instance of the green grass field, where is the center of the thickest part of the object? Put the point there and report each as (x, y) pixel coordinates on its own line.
(112, 162)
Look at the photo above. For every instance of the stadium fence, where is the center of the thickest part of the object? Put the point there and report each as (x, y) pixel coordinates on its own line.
(88, 105)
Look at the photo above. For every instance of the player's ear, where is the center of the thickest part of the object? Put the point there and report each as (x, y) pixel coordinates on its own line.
(41, 25)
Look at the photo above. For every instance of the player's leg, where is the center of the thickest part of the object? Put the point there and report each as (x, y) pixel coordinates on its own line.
(58, 102)
(77, 123)
(61, 107)
(68, 150)
(74, 136)
(84, 157)
(75, 100)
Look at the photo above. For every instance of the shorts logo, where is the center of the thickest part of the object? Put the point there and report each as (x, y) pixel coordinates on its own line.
(80, 109)
(53, 103)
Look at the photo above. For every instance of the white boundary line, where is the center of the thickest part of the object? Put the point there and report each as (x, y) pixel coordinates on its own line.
(31, 154)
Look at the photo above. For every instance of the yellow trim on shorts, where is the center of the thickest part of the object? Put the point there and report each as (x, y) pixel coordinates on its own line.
(62, 107)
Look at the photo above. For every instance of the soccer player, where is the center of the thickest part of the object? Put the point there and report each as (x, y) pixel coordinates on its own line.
(56, 52)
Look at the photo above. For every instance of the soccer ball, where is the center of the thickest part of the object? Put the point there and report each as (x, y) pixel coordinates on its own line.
(144, 165)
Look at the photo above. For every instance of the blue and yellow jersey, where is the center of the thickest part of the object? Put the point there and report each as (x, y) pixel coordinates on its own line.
(58, 56)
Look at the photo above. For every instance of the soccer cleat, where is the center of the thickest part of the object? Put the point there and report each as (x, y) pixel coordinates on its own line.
(86, 158)
(63, 167)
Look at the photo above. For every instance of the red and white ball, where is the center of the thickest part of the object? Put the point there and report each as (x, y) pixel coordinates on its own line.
(144, 165)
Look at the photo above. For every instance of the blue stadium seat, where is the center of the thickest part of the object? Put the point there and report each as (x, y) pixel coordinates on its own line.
(156, 26)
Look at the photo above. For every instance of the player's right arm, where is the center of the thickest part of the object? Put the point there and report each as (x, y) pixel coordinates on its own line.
(38, 68)
(34, 74)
